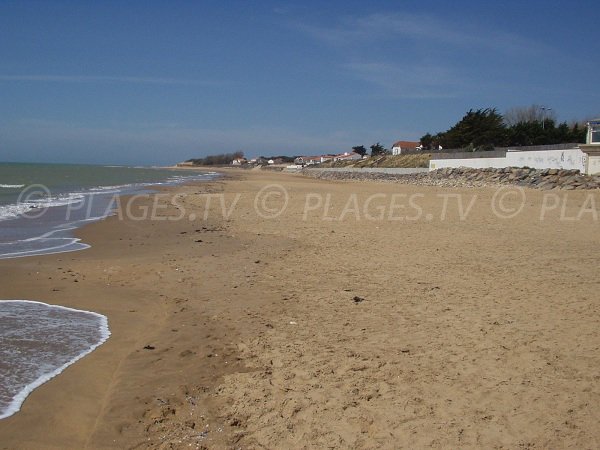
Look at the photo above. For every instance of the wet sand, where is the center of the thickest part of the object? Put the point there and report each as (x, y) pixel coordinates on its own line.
(321, 328)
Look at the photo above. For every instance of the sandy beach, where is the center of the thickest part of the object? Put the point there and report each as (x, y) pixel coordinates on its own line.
(270, 310)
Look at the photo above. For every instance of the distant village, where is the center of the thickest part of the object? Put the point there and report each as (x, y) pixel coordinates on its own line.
(299, 160)
(358, 153)
(524, 136)
(397, 148)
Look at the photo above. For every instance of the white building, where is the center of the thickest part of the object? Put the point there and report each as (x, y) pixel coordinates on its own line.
(347, 156)
(592, 147)
(593, 132)
(402, 146)
(311, 160)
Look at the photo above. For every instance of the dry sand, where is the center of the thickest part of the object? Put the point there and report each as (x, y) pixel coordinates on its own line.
(307, 332)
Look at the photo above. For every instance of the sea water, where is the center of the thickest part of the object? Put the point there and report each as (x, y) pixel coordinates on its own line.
(37, 342)
(41, 204)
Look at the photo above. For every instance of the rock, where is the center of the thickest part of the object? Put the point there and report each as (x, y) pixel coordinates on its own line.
(545, 179)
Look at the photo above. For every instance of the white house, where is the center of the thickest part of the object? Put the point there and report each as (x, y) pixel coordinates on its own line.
(593, 132)
(592, 147)
(311, 160)
(347, 156)
(402, 146)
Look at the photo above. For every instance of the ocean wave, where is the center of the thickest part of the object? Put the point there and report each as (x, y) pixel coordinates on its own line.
(11, 186)
(54, 241)
(110, 188)
(78, 333)
(17, 209)
(90, 203)
(46, 247)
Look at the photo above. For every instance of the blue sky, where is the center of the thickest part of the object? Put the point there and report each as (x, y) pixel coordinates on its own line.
(160, 82)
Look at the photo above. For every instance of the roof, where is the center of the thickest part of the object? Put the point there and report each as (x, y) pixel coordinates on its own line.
(406, 144)
(312, 158)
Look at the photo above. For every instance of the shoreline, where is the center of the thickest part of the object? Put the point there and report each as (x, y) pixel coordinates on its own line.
(18, 400)
(66, 211)
(76, 419)
(240, 330)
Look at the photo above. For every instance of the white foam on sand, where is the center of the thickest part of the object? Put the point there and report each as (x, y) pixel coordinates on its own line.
(18, 398)
(46, 244)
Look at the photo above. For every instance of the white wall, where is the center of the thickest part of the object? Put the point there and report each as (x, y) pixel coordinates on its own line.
(549, 159)
(594, 165)
(476, 163)
(543, 159)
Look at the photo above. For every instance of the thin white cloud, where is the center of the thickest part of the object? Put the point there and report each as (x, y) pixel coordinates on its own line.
(425, 29)
(406, 55)
(106, 79)
(407, 81)
(353, 30)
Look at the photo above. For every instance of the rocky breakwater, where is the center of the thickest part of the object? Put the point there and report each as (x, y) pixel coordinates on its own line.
(545, 179)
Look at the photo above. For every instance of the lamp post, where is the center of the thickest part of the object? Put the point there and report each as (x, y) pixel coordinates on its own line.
(544, 109)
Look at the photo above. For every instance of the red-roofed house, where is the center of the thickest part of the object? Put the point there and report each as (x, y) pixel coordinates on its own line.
(402, 146)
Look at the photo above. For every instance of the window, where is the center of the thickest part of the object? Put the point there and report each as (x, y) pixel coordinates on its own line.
(595, 134)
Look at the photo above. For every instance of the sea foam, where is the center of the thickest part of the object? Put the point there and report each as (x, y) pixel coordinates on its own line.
(26, 220)
(17, 209)
(37, 342)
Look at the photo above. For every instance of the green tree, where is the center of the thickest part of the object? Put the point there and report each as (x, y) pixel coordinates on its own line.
(427, 141)
(526, 133)
(221, 159)
(482, 129)
(578, 134)
(538, 133)
(562, 133)
(485, 129)
(378, 149)
(360, 149)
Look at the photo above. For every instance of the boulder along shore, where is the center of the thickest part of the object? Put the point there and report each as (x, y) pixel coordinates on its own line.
(545, 179)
